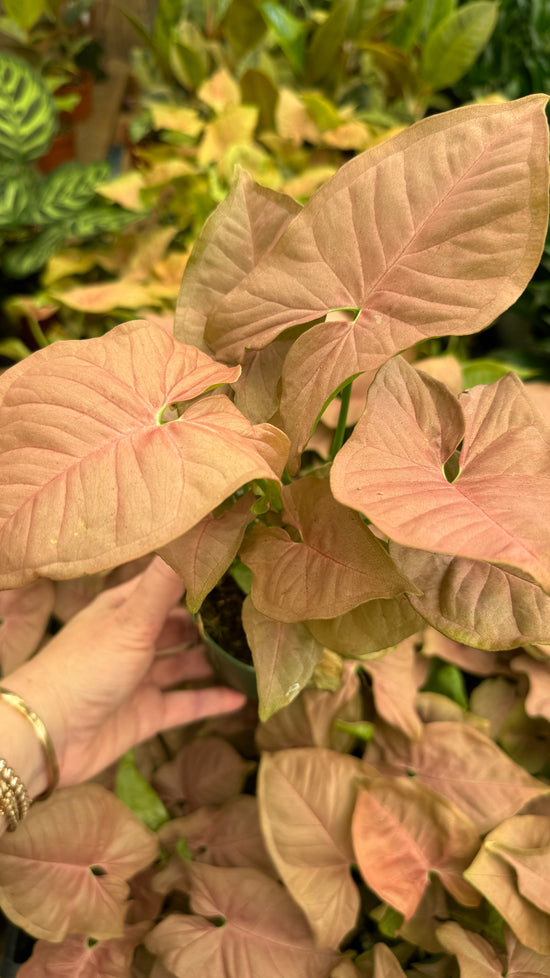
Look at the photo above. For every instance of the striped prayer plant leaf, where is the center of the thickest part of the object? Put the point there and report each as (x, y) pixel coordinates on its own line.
(28, 116)
(65, 191)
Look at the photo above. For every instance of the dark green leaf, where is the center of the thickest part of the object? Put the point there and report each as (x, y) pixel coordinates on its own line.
(28, 257)
(327, 40)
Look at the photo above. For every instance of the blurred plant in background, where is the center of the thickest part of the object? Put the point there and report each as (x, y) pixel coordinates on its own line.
(287, 92)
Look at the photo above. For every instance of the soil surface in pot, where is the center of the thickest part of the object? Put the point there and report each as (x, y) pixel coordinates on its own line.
(221, 616)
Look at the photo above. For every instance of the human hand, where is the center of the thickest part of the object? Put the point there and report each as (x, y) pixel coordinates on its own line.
(99, 684)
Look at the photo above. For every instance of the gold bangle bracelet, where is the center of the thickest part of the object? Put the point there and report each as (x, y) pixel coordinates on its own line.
(42, 734)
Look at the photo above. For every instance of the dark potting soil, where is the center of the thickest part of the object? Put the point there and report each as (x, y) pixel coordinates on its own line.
(221, 616)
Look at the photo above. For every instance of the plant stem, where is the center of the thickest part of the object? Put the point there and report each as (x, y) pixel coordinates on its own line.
(338, 439)
(37, 333)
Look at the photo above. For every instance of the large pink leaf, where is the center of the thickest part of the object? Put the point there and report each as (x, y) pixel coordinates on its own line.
(319, 364)
(47, 884)
(512, 870)
(524, 843)
(474, 602)
(225, 836)
(309, 721)
(235, 236)
(462, 764)
(284, 654)
(402, 831)
(369, 628)
(24, 615)
(476, 957)
(262, 932)
(394, 687)
(78, 957)
(91, 477)
(391, 469)
(202, 555)
(338, 565)
(431, 233)
(306, 799)
(206, 771)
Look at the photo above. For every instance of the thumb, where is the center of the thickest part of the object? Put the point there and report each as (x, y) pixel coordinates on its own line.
(153, 596)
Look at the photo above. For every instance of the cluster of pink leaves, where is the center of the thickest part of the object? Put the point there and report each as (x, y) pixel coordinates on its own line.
(116, 447)
(435, 815)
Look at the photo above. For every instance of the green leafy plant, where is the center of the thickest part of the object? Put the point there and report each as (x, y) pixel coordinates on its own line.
(38, 214)
(50, 35)
(410, 550)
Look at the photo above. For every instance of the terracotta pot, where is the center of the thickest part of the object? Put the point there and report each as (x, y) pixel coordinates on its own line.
(62, 149)
(83, 86)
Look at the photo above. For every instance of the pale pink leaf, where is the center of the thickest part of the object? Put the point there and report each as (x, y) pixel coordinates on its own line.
(460, 763)
(432, 707)
(124, 294)
(94, 478)
(493, 699)
(445, 368)
(477, 661)
(391, 469)
(24, 615)
(385, 963)
(205, 772)
(309, 721)
(338, 565)
(506, 869)
(306, 799)
(522, 962)
(476, 957)
(524, 843)
(433, 232)
(369, 628)
(235, 236)
(263, 931)
(394, 687)
(321, 361)
(284, 654)
(47, 884)
(403, 831)
(473, 602)
(422, 927)
(257, 389)
(537, 701)
(202, 555)
(78, 957)
(225, 836)
(526, 739)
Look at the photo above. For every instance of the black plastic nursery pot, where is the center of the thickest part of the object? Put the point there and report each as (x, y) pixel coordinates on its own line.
(229, 670)
(17, 948)
(220, 625)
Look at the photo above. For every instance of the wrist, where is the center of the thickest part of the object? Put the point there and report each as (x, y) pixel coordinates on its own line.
(25, 734)
(22, 750)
